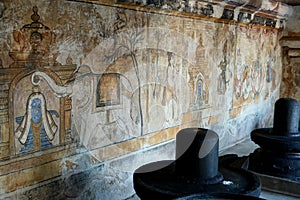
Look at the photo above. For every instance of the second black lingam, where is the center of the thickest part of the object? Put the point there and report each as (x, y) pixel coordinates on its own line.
(279, 152)
(196, 171)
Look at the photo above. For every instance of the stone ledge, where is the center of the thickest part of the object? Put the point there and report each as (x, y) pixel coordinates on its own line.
(266, 13)
(291, 42)
(294, 52)
(295, 60)
(279, 185)
(36, 158)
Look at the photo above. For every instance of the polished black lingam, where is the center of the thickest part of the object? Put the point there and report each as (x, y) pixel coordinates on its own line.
(196, 171)
(279, 152)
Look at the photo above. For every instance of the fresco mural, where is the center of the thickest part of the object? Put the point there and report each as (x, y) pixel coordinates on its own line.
(101, 82)
(149, 65)
(39, 108)
(271, 71)
(108, 90)
(128, 45)
(223, 78)
(36, 128)
(223, 41)
(254, 72)
(200, 91)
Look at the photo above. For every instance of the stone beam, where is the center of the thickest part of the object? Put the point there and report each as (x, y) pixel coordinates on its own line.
(290, 2)
(294, 52)
(291, 42)
(267, 13)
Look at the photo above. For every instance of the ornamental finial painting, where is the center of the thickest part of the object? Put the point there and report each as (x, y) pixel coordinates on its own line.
(33, 44)
(36, 106)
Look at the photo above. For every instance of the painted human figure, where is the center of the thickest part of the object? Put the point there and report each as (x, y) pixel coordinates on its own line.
(36, 128)
(222, 77)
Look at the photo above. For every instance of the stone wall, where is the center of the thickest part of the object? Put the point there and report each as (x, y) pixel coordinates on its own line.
(115, 82)
(291, 57)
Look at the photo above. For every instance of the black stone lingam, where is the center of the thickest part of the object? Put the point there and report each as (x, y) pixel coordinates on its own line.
(197, 155)
(279, 152)
(195, 171)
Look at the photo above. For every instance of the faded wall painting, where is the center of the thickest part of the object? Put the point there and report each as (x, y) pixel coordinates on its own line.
(84, 85)
(37, 118)
(39, 111)
(108, 90)
(166, 71)
(253, 71)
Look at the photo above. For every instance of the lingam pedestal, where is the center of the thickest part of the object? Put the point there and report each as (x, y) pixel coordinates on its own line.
(196, 173)
(279, 152)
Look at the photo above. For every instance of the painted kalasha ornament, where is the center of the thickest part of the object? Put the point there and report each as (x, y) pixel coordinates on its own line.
(196, 171)
(278, 154)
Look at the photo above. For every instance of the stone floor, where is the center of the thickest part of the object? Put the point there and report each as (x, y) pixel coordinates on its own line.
(245, 148)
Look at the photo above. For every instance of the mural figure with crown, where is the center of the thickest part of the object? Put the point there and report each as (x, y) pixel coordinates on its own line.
(36, 128)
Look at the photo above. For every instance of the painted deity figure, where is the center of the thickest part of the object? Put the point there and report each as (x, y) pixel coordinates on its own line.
(199, 97)
(37, 127)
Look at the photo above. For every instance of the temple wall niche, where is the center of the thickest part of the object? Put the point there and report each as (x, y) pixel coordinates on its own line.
(132, 79)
